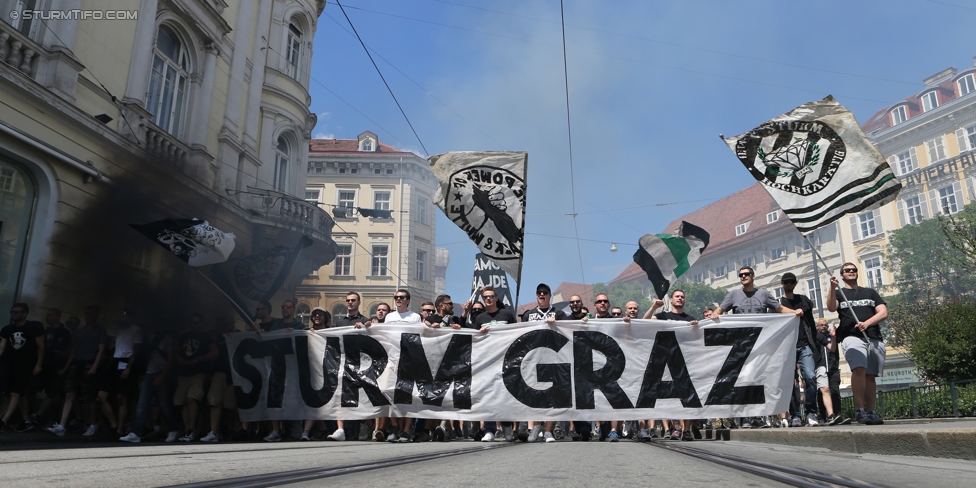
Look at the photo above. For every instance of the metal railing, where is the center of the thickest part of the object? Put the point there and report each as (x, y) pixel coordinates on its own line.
(953, 399)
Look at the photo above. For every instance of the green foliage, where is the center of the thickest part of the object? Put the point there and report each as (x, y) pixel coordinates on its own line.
(940, 336)
(960, 231)
(697, 295)
(922, 402)
(924, 262)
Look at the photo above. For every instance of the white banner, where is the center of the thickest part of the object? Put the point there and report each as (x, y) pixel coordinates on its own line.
(740, 366)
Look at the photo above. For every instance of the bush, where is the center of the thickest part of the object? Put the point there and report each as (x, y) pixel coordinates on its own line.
(939, 337)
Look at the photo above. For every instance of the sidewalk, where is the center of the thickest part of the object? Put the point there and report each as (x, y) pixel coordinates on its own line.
(939, 438)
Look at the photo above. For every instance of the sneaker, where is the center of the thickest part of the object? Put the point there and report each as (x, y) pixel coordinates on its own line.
(440, 433)
(642, 435)
(488, 437)
(696, 432)
(338, 435)
(613, 437)
(586, 434)
(130, 437)
(746, 423)
(523, 432)
(422, 437)
(404, 438)
(625, 432)
(834, 419)
(534, 435)
(392, 437)
(874, 419)
(557, 432)
(171, 437)
(304, 436)
(363, 431)
(56, 429)
(92, 430)
(845, 421)
(687, 436)
(478, 435)
(379, 436)
(190, 436)
(272, 437)
(509, 434)
(812, 420)
(796, 422)
(676, 435)
(576, 436)
(35, 419)
(760, 423)
(212, 437)
(25, 426)
(549, 437)
(862, 417)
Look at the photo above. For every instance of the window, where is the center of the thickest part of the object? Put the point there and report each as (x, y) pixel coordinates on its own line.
(26, 26)
(913, 210)
(281, 165)
(343, 260)
(966, 85)
(721, 271)
(367, 144)
(929, 101)
(898, 115)
(166, 100)
(778, 292)
(347, 198)
(866, 223)
(905, 162)
(772, 216)
(778, 253)
(389, 171)
(805, 244)
(377, 171)
(750, 262)
(381, 200)
(354, 169)
(340, 310)
(971, 136)
(312, 195)
(7, 176)
(381, 254)
(872, 268)
(342, 169)
(697, 277)
(813, 291)
(318, 168)
(966, 137)
(741, 229)
(947, 200)
(293, 50)
(422, 210)
(936, 149)
(421, 265)
(304, 313)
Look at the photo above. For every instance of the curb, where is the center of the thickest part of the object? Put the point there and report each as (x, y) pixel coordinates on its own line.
(938, 442)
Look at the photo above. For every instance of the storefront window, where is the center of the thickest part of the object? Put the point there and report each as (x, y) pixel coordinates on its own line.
(16, 205)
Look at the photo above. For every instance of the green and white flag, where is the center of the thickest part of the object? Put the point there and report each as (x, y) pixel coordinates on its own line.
(818, 165)
(665, 257)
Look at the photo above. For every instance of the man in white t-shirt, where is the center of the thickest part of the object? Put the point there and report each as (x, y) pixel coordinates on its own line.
(126, 339)
(401, 300)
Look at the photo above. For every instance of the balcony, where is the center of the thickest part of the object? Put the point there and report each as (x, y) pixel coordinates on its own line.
(18, 50)
(164, 146)
(283, 210)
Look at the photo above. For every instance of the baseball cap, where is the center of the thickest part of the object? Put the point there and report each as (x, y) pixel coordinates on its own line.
(543, 286)
(788, 277)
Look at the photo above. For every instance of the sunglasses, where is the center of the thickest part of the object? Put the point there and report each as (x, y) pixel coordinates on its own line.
(602, 301)
(789, 282)
(488, 296)
(616, 314)
(850, 270)
(427, 310)
(448, 304)
(400, 297)
(575, 302)
(542, 292)
(318, 314)
(353, 300)
(744, 275)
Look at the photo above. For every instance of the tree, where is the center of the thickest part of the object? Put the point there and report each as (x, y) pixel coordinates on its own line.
(960, 231)
(925, 262)
(697, 295)
(940, 336)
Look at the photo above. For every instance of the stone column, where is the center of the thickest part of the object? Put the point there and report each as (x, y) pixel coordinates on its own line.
(141, 61)
(258, 60)
(200, 111)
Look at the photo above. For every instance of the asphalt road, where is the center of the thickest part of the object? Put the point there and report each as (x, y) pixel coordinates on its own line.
(565, 463)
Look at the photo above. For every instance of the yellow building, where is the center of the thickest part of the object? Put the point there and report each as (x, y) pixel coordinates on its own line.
(175, 109)
(376, 253)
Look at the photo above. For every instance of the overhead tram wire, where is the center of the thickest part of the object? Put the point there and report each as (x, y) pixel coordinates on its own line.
(382, 78)
(569, 134)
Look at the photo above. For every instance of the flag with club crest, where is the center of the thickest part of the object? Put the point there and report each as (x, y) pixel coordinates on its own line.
(665, 257)
(817, 164)
(194, 241)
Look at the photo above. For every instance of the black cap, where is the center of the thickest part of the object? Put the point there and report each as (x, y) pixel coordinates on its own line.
(788, 277)
(543, 286)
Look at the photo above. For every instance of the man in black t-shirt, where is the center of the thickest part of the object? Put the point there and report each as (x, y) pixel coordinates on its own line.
(263, 321)
(221, 393)
(193, 362)
(483, 322)
(57, 359)
(807, 356)
(677, 313)
(860, 309)
(22, 347)
(829, 366)
(543, 311)
(576, 308)
(443, 314)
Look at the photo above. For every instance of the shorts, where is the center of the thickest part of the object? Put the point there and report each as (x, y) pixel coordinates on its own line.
(20, 377)
(221, 393)
(51, 382)
(863, 354)
(822, 377)
(189, 387)
(106, 378)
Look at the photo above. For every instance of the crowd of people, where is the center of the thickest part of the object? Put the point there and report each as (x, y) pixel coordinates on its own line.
(155, 382)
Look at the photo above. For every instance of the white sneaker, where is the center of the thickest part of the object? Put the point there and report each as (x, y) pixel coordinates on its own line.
(549, 437)
(211, 437)
(130, 437)
(171, 437)
(404, 438)
(190, 436)
(534, 434)
(796, 422)
(812, 420)
(272, 437)
(305, 436)
(488, 437)
(338, 435)
(56, 429)
(92, 430)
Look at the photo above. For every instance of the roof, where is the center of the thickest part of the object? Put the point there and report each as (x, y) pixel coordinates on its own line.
(943, 82)
(720, 219)
(350, 146)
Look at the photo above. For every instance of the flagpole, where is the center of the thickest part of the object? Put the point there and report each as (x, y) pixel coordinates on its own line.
(240, 310)
(830, 273)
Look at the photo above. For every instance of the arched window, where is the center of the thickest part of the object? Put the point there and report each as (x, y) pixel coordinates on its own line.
(293, 50)
(281, 164)
(339, 310)
(367, 145)
(167, 96)
(16, 207)
(304, 313)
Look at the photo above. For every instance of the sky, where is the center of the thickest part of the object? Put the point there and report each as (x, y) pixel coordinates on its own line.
(651, 86)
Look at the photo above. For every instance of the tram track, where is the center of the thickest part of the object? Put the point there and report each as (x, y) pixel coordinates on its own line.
(783, 474)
